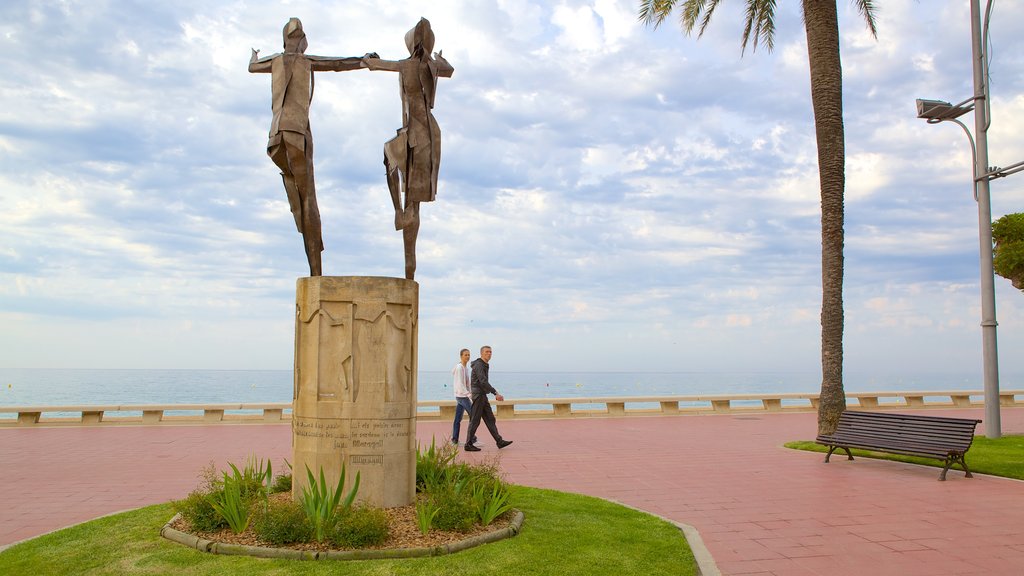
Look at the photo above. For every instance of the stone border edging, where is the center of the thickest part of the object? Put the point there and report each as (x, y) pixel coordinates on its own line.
(705, 561)
(215, 547)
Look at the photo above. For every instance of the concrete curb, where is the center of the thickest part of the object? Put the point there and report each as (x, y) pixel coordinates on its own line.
(214, 547)
(705, 562)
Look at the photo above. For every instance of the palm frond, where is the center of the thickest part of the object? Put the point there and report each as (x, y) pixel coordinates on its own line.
(694, 10)
(761, 21)
(868, 10)
(653, 12)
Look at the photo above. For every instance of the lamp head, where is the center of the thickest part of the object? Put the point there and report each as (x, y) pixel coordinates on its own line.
(939, 110)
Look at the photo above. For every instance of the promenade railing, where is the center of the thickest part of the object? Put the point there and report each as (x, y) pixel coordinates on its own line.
(514, 408)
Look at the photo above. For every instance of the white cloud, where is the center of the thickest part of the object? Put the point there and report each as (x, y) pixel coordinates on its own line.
(580, 28)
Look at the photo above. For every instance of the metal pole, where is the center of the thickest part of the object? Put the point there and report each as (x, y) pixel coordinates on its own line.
(993, 428)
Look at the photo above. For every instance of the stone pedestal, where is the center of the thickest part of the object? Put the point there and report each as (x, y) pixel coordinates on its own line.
(354, 400)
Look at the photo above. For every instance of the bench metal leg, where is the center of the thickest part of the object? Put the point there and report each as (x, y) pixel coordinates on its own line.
(959, 459)
(832, 449)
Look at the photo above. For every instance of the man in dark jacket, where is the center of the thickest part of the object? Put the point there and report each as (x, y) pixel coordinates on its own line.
(480, 386)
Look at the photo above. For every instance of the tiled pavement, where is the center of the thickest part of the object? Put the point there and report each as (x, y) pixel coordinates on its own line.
(760, 508)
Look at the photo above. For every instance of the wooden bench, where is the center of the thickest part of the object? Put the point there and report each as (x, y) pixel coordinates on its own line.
(946, 439)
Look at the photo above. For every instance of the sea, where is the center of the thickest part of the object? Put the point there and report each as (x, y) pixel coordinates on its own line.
(57, 387)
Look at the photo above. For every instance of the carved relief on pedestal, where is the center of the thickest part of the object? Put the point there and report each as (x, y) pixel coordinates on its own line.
(400, 346)
(369, 350)
(331, 324)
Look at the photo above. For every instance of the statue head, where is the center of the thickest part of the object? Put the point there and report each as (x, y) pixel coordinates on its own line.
(420, 40)
(294, 37)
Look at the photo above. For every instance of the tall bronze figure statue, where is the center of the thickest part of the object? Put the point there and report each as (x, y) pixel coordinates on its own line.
(413, 156)
(291, 142)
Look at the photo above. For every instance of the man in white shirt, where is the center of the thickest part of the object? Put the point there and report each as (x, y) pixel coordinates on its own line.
(460, 383)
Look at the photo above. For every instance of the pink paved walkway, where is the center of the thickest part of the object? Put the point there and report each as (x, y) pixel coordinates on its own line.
(761, 509)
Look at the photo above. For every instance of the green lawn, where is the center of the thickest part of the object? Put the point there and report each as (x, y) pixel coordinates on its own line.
(563, 534)
(999, 457)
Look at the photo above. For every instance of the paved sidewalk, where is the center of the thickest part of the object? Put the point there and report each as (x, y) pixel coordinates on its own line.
(760, 508)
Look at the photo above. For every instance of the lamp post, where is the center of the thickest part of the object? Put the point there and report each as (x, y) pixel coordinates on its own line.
(935, 111)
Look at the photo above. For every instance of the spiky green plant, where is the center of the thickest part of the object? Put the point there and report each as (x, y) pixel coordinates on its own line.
(433, 465)
(322, 505)
(490, 504)
(426, 511)
(230, 503)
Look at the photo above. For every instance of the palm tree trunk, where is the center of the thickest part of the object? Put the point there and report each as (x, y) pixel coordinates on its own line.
(822, 25)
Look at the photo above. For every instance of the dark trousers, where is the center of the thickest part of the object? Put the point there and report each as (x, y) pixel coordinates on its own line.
(462, 405)
(482, 410)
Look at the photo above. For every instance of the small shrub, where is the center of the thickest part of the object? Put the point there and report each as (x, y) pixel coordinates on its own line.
(198, 512)
(282, 522)
(433, 465)
(257, 477)
(456, 494)
(359, 527)
(209, 478)
(254, 479)
(455, 510)
(283, 483)
(488, 469)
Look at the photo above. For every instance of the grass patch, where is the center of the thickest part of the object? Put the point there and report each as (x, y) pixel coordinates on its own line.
(563, 534)
(998, 457)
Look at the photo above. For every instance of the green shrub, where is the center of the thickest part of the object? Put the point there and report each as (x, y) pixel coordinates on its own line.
(359, 527)
(456, 494)
(197, 510)
(282, 522)
(282, 483)
(253, 480)
(455, 510)
(209, 479)
(433, 465)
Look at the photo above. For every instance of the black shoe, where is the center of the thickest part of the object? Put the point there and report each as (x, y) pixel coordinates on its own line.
(471, 448)
(503, 443)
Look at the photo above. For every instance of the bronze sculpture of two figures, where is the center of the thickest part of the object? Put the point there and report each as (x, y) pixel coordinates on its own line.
(411, 158)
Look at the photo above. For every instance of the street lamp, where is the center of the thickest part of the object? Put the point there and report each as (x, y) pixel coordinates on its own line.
(935, 111)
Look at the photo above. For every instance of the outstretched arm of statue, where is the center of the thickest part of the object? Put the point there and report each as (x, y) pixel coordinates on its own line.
(262, 64)
(334, 64)
(373, 62)
(443, 67)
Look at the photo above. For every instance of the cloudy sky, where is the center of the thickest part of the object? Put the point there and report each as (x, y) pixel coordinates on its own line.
(611, 197)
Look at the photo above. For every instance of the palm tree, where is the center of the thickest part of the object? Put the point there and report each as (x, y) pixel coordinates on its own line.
(821, 22)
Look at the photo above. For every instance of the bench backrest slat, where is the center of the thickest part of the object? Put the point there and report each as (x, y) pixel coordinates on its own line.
(910, 431)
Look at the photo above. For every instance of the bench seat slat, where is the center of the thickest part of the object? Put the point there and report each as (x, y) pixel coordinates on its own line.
(939, 453)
